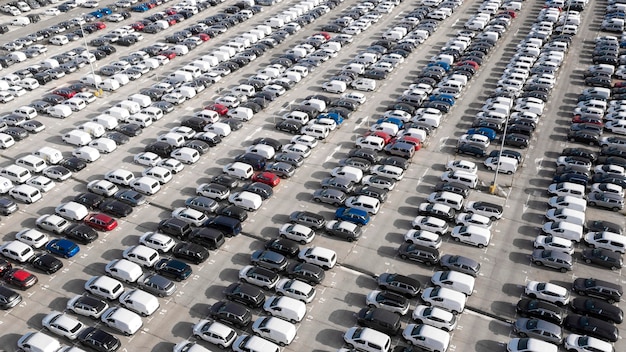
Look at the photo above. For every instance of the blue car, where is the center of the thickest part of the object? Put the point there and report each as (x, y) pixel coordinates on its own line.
(396, 121)
(485, 131)
(441, 64)
(356, 216)
(63, 247)
(96, 14)
(105, 11)
(140, 8)
(571, 177)
(334, 116)
(446, 98)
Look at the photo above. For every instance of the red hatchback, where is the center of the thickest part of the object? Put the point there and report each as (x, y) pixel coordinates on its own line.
(219, 108)
(411, 140)
(324, 34)
(100, 25)
(138, 26)
(266, 177)
(20, 278)
(204, 37)
(101, 221)
(64, 92)
(586, 119)
(168, 54)
(386, 137)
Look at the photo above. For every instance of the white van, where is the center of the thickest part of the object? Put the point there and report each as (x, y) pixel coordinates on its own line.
(71, 211)
(36, 341)
(133, 107)
(5, 185)
(103, 145)
(20, 21)
(563, 202)
(140, 302)
(367, 339)
(263, 150)
(253, 343)
(364, 84)
(503, 164)
(244, 89)
(239, 170)
(107, 121)
(567, 189)
(174, 139)
(427, 337)
(334, 86)
(25, 193)
(15, 173)
(453, 200)
(122, 320)
(6, 141)
(109, 85)
(563, 229)
(565, 214)
(26, 112)
(287, 308)
(186, 155)
(146, 185)
(365, 203)
(275, 330)
(124, 269)
(59, 111)
(370, 142)
(194, 70)
(121, 78)
(241, 113)
(94, 129)
(462, 177)
(475, 235)
(606, 240)
(297, 116)
(143, 100)
(154, 112)
(32, 163)
(141, 119)
(77, 137)
(120, 113)
(49, 155)
(76, 104)
(246, 200)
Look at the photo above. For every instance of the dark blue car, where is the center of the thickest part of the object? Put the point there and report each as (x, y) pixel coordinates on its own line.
(446, 98)
(485, 131)
(572, 177)
(62, 247)
(356, 216)
(396, 121)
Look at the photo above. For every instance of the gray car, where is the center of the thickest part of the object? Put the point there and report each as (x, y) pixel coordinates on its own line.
(269, 260)
(460, 263)
(203, 204)
(338, 183)
(552, 259)
(330, 196)
(157, 285)
(539, 329)
(607, 200)
(281, 169)
(290, 158)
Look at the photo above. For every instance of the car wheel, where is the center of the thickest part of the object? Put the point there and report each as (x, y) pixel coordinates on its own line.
(563, 270)
(613, 268)
(615, 209)
(350, 239)
(588, 261)
(403, 256)
(456, 239)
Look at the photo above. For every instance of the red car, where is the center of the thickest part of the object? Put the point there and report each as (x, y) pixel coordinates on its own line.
(138, 26)
(218, 108)
(101, 221)
(170, 11)
(64, 92)
(581, 119)
(474, 64)
(100, 25)
(324, 34)
(170, 21)
(168, 54)
(150, 5)
(266, 177)
(203, 36)
(20, 278)
(386, 137)
(619, 84)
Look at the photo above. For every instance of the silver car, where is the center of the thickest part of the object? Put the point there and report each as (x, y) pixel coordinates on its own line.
(157, 285)
(552, 259)
(538, 328)
(330, 196)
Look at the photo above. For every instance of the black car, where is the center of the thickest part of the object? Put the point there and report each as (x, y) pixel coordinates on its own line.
(306, 272)
(225, 180)
(613, 160)
(17, 133)
(602, 257)
(117, 137)
(201, 146)
(371, 191)
(47, 263)
(283, 246)
(426, 255)
(474, 150)
(584, 136)
(195, 123)
(231, 313)
(81, 233)
(528, 307)
(308, 218)
(162, 149)
(173, 269)
(207, 237)
(99, 340)
(115, 208)
(233, 211)
(129, 129)
(129, 197)
(277, 145)
(395, 161)
(431, 209)
(580, 152)
(597, 309)
(613, 151)
(401, 284)
(263, 190)
(591, 326)
(246, 294)
(516, 140)
(379, 319)
(9, 298)
(607, 291)
(73, 164)
(571, 177)
(289, 126)
(192, 252)
(453, 187)
(88, 199)
(601, 225)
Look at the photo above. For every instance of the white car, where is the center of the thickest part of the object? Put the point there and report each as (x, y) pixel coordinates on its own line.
(357, 97)
(297, 232)
(554, 243)
(423, 238)
(434, 316)
(616, 126)
(32, 237)
(171, 164)
(295, 289)
(322, 257)
(394, 172)
(473, 219)
(430, 223)
(189, 215)
(184, 131)
(18, 251)
(580, 343)
(307, 140)
(548, 292)
(387, 300)
(63, 325)
(475, 139)
(141, 255)
(215, 333)
(52, 223)
(160, 242)
(297, 148)
(42, 183)
(454, 280)
(462, 165)
(102, 187)
(530, 344)
(448, 299)
(399, 114)
(147, 159)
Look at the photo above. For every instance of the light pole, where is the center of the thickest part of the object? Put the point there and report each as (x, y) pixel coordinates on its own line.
(494, 185)
(93, 73)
